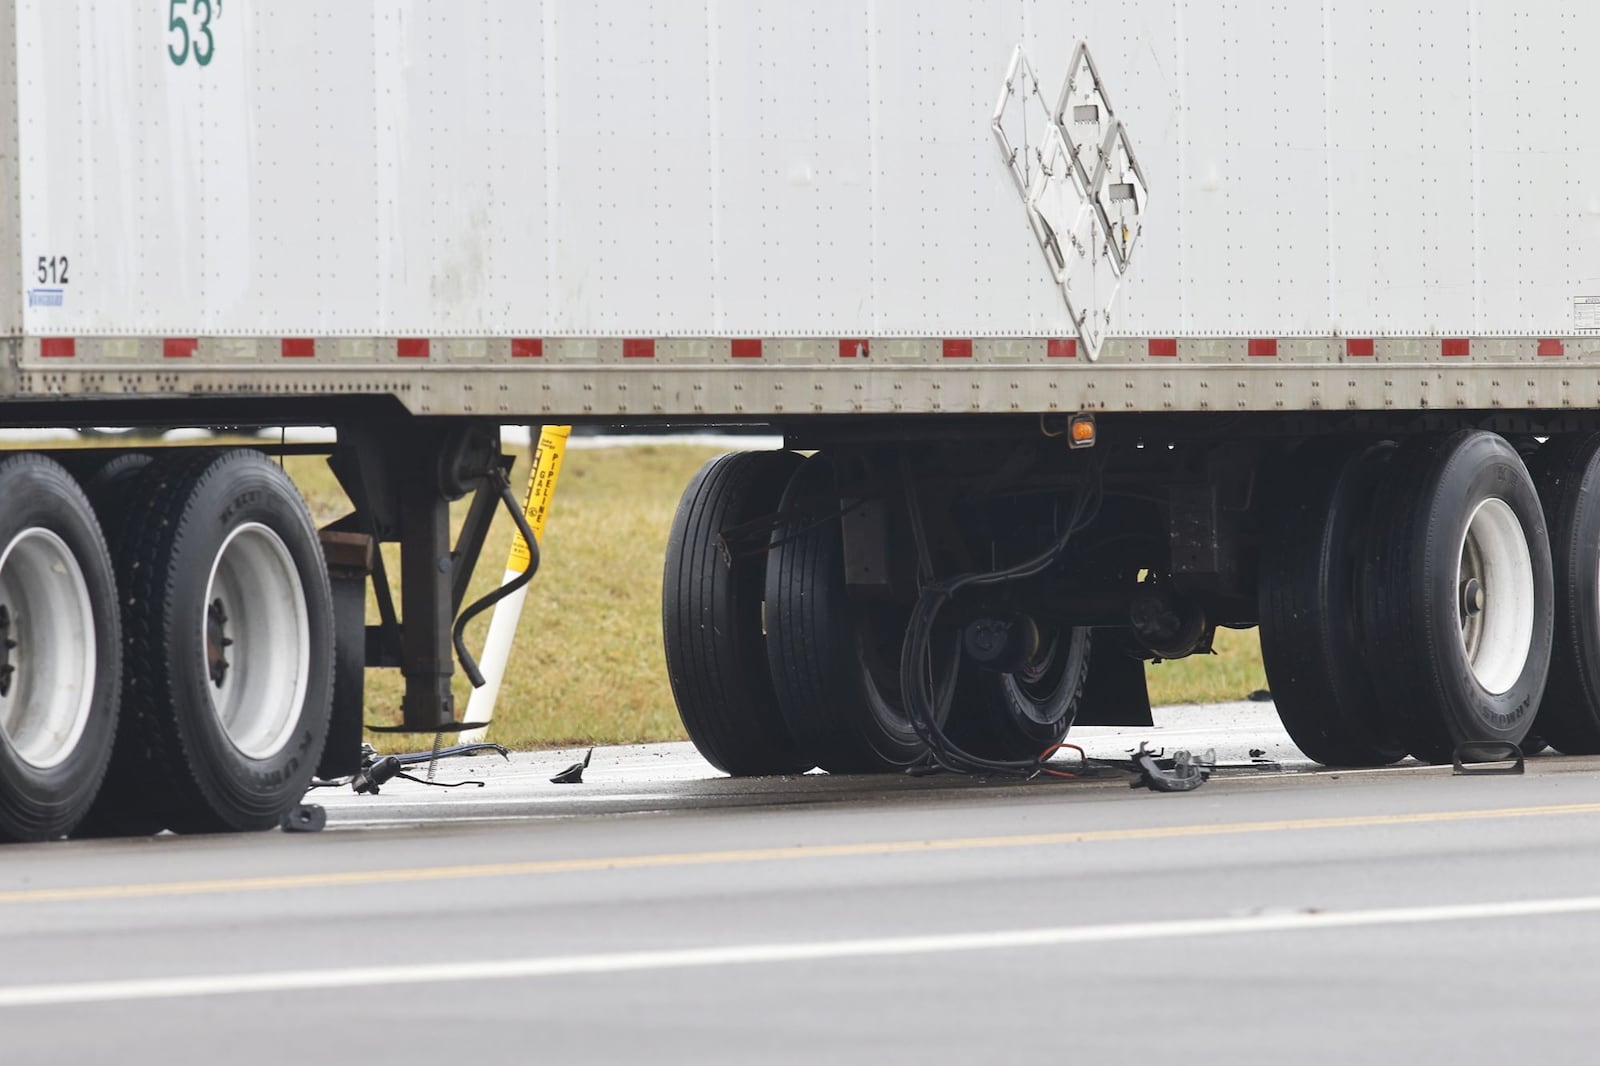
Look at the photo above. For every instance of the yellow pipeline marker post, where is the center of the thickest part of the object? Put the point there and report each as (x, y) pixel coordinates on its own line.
(503, 625)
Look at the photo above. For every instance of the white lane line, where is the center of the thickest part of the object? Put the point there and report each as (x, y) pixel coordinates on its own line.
(748, 954)
(436, 799)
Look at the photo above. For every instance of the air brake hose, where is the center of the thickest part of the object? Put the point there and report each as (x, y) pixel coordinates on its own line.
(469, 665)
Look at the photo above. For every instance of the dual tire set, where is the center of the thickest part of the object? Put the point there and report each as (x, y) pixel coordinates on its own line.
(166, 644)
(1438, 592)
(776, 669)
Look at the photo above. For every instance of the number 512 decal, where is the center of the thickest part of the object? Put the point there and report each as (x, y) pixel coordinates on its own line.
(190, 23)
(53, 270)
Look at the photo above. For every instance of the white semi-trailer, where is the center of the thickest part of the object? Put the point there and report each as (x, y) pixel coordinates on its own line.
(1244, 314)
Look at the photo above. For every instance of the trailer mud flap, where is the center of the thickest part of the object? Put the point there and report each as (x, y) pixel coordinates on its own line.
(1115, 691)
(349, 559)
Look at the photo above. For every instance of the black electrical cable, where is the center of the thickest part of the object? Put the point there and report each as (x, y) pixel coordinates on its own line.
(469, 665)
(414, 758)
(915, 658)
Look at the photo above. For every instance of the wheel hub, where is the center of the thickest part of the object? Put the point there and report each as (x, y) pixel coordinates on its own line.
(7, 646)
(255, 637)
(47, 674)
(1002, 644)
(1496, 630)
(217, 643)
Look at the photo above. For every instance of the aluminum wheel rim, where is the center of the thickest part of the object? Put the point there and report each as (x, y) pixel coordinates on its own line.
(47, 672)
(256, 635)
(1495, 596)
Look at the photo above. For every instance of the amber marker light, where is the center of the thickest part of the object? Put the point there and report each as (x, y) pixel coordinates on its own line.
(1081, 431)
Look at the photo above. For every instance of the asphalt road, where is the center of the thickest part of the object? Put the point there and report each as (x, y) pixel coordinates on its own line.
(658, 914)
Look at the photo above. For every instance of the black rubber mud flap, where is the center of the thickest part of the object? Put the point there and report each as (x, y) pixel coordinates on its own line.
(1115, 692)
(349, 558)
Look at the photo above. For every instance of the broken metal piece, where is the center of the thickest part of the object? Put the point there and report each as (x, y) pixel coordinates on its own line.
(1183, 772)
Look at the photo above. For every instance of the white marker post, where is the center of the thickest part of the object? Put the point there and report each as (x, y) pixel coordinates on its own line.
(503, 625)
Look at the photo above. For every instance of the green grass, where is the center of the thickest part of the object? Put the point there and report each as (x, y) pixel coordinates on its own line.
(587, 666)
(1232, 673)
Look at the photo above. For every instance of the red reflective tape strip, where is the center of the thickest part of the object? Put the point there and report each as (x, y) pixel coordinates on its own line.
(179, 347)
(1550, 346)
(412, 347)
(958, 349)
(1164, 348)
(745, 349)
(849, 348)
(1062, 349)
(1455, 347)
(1263, 347)
(58, 347)
(299, 347)
(639, 348)
(1358, 348)
(527, 348)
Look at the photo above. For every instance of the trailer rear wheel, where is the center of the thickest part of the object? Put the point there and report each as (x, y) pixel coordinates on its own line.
(1458, 594)
(834, 661)
(711, 618)
(228, 624)
(60, 651)
(1567, 471)
(110, 485)
(1019, 715)
(1310, 606)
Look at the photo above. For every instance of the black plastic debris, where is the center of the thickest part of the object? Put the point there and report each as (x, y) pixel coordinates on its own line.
(304, 818)
(573, 775)
(375, 773)
(1488, 758)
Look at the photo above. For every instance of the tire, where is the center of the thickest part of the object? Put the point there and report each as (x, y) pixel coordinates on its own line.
(228, 632)
(60, 651)
(110, 485)
(1311, 632)
(711, 618)
(1451, 511)
(1015, 716)
(834, 663)
(1567, 472)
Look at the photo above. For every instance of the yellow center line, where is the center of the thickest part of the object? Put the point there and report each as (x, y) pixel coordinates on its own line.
(787, 853)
